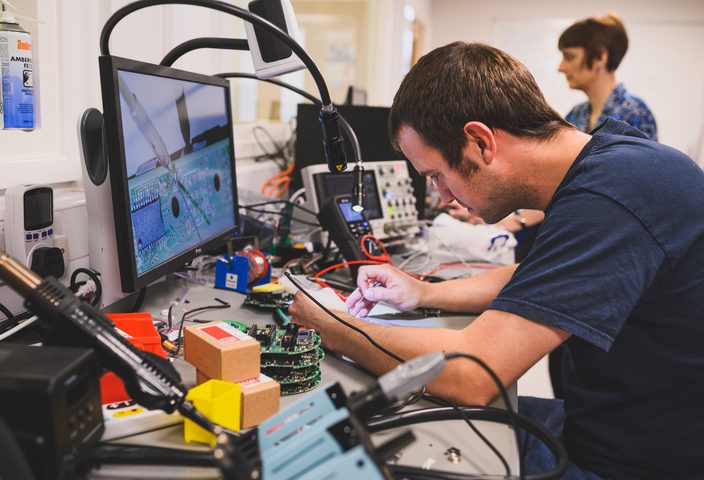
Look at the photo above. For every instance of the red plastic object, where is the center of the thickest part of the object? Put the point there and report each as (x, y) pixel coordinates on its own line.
(143, 336)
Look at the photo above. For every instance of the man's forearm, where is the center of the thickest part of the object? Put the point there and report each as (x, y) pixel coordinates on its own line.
(473, 294)
(459, 382)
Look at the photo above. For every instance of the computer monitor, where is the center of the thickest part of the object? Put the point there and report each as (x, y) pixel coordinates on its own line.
(370, 124)
(171, 159)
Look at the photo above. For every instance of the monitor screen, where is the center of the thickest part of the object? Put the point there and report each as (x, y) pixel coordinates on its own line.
(171, 161)
(370, 124)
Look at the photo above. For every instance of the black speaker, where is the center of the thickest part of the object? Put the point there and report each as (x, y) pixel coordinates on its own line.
(92, 145)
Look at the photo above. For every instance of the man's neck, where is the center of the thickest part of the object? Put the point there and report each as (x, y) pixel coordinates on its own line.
(542, 165)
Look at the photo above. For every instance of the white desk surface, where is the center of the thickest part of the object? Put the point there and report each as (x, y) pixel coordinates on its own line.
(432, 439)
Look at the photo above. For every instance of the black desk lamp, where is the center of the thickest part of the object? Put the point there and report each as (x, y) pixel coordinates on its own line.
(333, 141)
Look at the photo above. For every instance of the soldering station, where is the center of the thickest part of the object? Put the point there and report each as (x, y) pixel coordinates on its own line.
(255, 393)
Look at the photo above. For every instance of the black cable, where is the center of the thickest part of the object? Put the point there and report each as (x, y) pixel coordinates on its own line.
(398, 406)
(206, 42)
(10, 322)
(326, 250)
(489, 414)
(276, 202)
(245, 15)
(476, 431)
(6, 311)
(132, 454)
(223, 304)
(345, 323)
(346, 127)
(140, 300)
(416, 473)
(502, 392)
(281, 214)
(279, 152)
(95, 276)
(481, 363)
(169, 316)
(273, 81)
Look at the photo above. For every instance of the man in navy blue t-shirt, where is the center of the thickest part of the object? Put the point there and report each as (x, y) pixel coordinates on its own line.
(616, 274)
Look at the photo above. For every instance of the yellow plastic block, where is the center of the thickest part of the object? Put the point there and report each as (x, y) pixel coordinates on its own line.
(218, 400)
(268, 288)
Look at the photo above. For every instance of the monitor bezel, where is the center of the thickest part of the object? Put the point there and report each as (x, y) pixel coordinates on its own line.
(130, 280)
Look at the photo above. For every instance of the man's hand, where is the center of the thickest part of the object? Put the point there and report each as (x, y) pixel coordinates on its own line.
(384, 283)
(307, 314)
(459, 212)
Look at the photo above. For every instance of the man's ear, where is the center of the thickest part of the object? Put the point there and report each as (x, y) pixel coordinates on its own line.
(477, 133)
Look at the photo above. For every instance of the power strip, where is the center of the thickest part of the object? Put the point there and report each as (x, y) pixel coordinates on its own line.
(123, 419)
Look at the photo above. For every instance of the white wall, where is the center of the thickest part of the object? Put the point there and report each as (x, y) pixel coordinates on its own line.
(663, 65)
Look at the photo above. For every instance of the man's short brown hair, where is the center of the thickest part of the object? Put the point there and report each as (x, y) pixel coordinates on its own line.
(597, 35)
(464, 82)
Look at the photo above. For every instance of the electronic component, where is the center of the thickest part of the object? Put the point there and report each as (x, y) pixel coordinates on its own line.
(50, 397)
(29, 228)
(268, 301)
(370, 125)
(316, 437)
(294, 388)
(123, 419)
(290, 355)
(346, 228)
(150, 380)
(264, 335)
(389, 198)
(290, 338)
(298, 360)
(241, 272)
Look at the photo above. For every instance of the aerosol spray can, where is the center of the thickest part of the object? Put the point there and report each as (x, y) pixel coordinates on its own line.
(17, 99)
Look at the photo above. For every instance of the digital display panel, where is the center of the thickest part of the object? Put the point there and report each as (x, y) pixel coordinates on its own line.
(349, 214)
(38, 208)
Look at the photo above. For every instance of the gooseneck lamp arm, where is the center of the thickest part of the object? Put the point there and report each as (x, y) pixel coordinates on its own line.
(232, 10)
(357, 152)
(329, 118)
(206, 42)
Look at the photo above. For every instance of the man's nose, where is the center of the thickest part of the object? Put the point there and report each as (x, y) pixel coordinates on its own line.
(444, 192)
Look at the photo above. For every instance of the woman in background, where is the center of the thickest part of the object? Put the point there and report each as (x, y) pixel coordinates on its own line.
(592, 50)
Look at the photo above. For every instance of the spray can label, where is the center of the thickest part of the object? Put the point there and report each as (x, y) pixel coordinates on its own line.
(17, 101)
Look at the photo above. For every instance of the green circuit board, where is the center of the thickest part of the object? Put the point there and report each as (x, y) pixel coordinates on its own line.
(291, 340)
(285, 375)
(290, 355)
(296, 388)
(306, 359)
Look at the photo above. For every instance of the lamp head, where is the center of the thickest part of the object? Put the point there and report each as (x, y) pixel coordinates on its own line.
(358, 189)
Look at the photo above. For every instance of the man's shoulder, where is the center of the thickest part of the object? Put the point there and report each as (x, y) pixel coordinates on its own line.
(621, 164)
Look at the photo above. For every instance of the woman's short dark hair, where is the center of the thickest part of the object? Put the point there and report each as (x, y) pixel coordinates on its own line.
(597, 35)
(464, 82)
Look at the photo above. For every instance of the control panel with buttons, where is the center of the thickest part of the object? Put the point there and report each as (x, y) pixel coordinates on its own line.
(389, 199)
